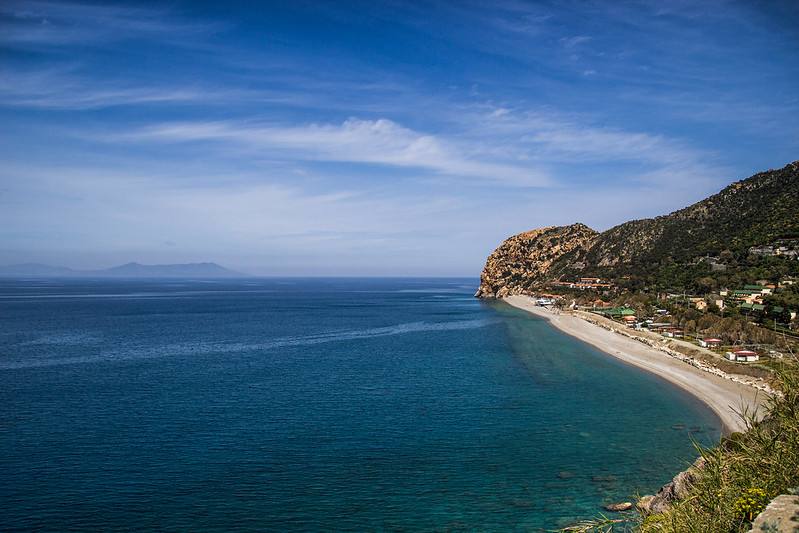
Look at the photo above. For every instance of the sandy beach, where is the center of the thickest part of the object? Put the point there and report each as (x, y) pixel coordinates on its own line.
(725, 396)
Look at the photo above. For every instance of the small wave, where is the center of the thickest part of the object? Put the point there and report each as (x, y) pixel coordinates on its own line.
(447, 290)
(128, 295)
(221, 347)
(62, 339)
(410, 327)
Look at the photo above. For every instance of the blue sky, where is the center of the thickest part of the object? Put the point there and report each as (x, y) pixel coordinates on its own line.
(374, 138)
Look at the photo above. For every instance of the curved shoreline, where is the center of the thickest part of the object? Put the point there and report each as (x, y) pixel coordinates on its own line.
(727, 398)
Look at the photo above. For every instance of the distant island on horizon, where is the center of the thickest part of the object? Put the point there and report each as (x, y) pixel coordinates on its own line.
(129, 270)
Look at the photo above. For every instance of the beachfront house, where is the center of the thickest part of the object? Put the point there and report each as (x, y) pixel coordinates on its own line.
(710, 343)
(742, 355)
(659, 327)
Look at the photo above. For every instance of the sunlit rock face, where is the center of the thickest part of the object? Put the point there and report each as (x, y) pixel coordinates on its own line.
(524, 259)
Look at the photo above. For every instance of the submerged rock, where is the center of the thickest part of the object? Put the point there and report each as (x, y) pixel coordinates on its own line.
(616, 507)
(603, 479)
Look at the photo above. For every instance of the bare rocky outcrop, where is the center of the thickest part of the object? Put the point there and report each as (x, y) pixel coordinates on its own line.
(676, 489)
(526, 258)
(781, 515)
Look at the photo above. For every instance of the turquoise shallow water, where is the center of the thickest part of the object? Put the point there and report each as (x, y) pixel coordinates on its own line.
(316, 405)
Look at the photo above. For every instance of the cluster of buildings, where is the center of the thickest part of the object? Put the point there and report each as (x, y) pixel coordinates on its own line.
(750, 298)
(742, 355)
(782, 248)
(665, 328)
(660, 323)
(751, 294)
(587, 284)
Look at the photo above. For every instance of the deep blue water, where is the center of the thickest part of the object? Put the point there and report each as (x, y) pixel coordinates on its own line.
(316, 405)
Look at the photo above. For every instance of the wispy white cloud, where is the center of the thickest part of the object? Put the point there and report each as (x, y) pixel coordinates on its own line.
(65, 89)
(494, 145)
(564, 139)
(36, 23)
(57, 89)
(380, 141)
(571, 42)
(555, 139)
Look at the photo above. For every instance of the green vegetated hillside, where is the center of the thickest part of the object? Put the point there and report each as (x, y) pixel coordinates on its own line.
(752, 212)
(757, 211)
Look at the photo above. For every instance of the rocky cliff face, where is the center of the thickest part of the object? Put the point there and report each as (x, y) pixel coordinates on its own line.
(526, 258)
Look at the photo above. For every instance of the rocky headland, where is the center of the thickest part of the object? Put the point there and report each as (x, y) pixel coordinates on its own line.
(527, 257)
(751, 212)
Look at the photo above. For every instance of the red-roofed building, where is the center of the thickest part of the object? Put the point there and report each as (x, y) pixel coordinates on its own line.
(710, 343)
(742, 355)
(630, 320)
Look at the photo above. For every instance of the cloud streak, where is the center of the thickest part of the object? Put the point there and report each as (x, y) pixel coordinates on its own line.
(381, 142)
(43, 23)
(496, 146)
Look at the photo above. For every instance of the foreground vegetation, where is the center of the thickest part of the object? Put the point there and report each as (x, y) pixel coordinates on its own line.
(740, 476)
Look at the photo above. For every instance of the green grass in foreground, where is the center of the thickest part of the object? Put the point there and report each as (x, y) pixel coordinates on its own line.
(739, 479)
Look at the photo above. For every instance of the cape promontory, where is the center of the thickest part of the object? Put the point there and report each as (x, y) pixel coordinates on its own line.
(762, 210)
(528, 256)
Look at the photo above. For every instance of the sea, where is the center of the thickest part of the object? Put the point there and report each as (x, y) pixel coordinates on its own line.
(322, 404)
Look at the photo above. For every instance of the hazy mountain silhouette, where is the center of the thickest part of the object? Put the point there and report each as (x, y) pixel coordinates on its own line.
(130, 270)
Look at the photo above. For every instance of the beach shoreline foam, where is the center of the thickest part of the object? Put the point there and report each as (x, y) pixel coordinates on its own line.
(726, 397)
